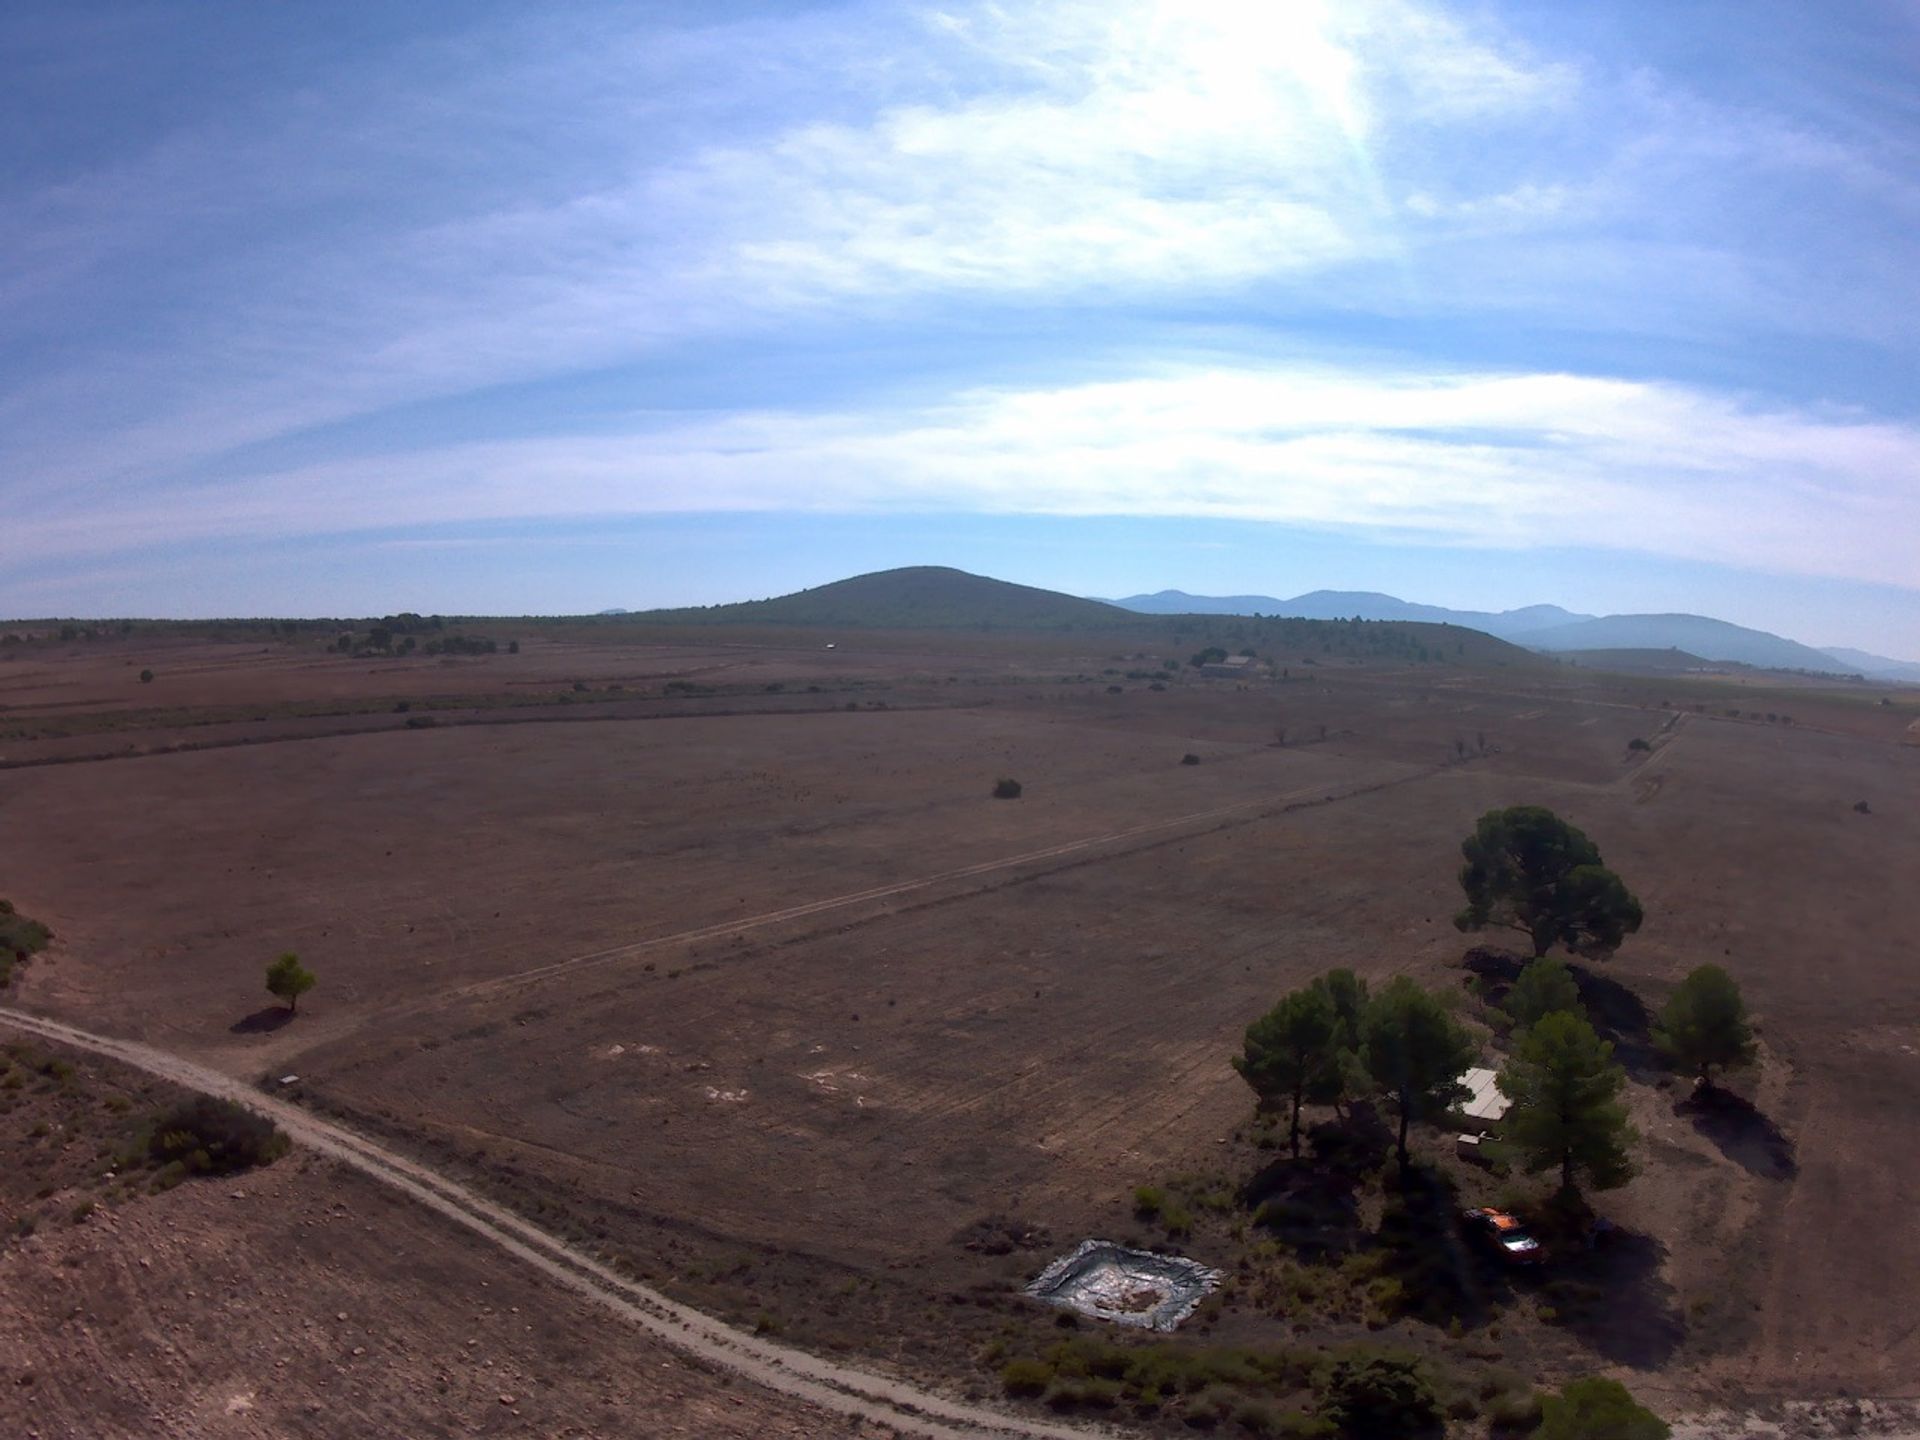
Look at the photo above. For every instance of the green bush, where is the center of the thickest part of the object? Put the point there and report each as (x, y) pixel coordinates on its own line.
(1189, 759)
(1380, 1397)
(205, 1136)
(1598, 1410)
(1089, 1393)
(1025, 1377)
(1006, 789)
(1148, 1201)
(1638, 744)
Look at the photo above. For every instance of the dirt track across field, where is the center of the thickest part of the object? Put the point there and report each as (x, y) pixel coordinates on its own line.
(855, 1393)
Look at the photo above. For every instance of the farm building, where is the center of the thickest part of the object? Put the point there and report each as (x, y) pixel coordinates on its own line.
(1234, 667)
(1486, 1103)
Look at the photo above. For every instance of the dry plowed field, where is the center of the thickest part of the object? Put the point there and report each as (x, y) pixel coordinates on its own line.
(779, 1005)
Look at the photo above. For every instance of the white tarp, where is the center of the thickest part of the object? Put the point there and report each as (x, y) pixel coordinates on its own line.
(1487, 1103)
(1128, 1287)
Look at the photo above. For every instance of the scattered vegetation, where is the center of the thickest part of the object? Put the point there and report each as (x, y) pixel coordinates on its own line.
(1415, 1052)
(288, 980)
(1566, 1110)
(1544, 987)
(205, 1136)
(1705, 1025)
(1529, 870)
(1598, 1410)
(20, 937)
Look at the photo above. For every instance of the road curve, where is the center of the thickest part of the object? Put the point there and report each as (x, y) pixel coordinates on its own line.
(783, 1369)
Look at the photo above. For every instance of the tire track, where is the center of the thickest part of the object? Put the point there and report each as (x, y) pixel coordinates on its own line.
(843, 1389)
(1260, 808)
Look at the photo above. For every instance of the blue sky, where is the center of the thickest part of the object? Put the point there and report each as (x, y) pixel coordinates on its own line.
(470, 308)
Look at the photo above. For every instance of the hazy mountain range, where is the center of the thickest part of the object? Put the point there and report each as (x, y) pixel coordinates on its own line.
(1549, 627)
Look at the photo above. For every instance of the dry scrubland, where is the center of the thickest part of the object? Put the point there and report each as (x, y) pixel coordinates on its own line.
(749, 983)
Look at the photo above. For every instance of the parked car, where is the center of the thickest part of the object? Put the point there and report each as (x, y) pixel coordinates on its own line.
(1504, 1234)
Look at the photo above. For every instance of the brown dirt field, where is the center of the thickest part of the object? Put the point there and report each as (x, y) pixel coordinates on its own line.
(798, 1115)
(304, 1300)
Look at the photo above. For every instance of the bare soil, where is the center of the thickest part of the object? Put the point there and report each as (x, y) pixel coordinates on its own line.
(772, 1000)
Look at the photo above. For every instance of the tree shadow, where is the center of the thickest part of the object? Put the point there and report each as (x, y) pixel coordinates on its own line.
(1308, 1207)
(1614, 1299)
(262, 1022)
(1744, 1135)
(1442, 1277)
(1622, 1017)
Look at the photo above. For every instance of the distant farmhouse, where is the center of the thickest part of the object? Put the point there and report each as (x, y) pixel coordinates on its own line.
(1234, 667)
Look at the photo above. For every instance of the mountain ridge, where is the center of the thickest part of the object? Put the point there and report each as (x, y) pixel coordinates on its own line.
(1552, 628)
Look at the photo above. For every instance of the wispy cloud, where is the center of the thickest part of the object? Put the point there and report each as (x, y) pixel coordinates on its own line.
(523, 203)
(1485, 460)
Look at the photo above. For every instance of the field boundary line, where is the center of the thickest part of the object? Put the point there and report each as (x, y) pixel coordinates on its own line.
(1198, 822)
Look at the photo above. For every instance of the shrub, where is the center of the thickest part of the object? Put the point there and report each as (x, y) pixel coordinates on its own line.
(1513, 1410)
(513, 647)
(1598, 1410)
(421, 722)
(1189, 759)
(1025, 1376)
(1638, 744)
(205, 1136)
(1090, 1393)
(1380, 1397)
(1148, 1201)
(1861, 807)
(1006, 789)
(146, 677)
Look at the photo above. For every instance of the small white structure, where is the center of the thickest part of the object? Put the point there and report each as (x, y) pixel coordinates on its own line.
(1234, 667)
(1486, 1101)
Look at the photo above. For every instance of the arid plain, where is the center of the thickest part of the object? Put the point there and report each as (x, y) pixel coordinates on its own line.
(712, 952)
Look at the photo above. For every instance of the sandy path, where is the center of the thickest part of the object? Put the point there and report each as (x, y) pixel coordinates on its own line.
(842, 1389)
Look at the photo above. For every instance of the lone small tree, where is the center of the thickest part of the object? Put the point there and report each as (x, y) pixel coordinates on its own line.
(1705, 1024)
(1415, 1052)
(1291, 1053)
(1566, 1111)
(1531, 871)
(1545, 986)
(288, 980)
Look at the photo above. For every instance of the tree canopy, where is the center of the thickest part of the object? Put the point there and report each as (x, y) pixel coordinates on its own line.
(1565, 1089)
(1544, 987)
(1291, 1053)
(1705, 1024)
(288, 979)
(1529, 870)
(1415, 1052)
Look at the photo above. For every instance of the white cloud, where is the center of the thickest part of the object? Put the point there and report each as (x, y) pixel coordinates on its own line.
(1474, 459)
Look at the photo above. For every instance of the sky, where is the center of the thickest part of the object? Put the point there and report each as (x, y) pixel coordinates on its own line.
(487, 308)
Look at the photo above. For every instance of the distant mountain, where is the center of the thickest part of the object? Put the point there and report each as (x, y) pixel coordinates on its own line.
(1548, 627)
(1345, 604)
(1711, 639)
(921, 597)
(931, 597)
(1178, 602)
(1879, 667)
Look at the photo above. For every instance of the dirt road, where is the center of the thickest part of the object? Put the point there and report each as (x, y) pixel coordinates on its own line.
(855, 1393)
